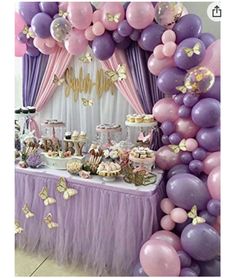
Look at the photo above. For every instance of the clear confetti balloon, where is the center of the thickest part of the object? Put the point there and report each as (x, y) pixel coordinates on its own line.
(199, 80)
(60, 28)
(168, 13)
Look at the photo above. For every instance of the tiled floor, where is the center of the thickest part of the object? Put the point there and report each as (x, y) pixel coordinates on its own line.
(28, 265)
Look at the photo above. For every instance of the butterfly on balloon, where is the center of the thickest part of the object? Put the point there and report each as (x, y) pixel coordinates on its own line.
(113, 18)
(193, 215)
(195, 50)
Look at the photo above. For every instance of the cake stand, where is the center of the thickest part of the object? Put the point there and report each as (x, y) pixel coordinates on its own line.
(108, 132)
(53, 126)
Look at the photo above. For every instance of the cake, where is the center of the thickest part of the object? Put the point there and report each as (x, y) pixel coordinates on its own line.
(108, 169)
(31, 109)
(75, 135)
(25, 110)
(68, 135)
(139, 119)
(148, 118)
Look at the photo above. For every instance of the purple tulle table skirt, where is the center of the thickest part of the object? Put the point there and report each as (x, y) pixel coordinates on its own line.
(100, 228)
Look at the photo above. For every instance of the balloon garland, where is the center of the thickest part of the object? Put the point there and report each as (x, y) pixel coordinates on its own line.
(187, 63)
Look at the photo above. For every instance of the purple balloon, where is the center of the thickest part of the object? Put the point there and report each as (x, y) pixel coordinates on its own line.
(32, 51)
(138, 271)
(196, 167)
(124, 28)
(184, 111)
(201, 241)
(30, 42)
(177, 169)
(209, 138)
(178, 99)
(206, 113)
(169, 79)
(22, 37)
(213, 207)
(210, 219)
(28, 10)
(187, 271)
(186, 157)
(185, 259)
(167, 127)
(40, 24)
(210, 268)
(190, 100)
(207, 39)
(117, 37)
(214, 92)
(199, 154)
(175, 138)
(188, 26)
(165, 140)
(135, 35)
(103, 46)
(125, 5)
(195, 267)
(51, 8)
(187, 190)
(183, 60)
(180, 226)
(125, 43)
(151, 36)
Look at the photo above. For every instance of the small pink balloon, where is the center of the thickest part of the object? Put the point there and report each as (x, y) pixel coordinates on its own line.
(112, 9)
(155, 65)
(166, 205)
(168, 36)
(211, 162)
(167, 223)
(186, 128)
(169, 49)
(98, 28)
(89, 35)
(168, 237)
(165, 109)
(97, 16)
(213, 183)
(158, 53)
(179, 215)
(191, 144)
(46, 46)
(76, 43)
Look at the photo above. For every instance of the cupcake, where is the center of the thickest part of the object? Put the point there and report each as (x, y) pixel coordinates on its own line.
(82, 135)
(75, 135)
(31, 109)
(25, 110)
(68, 135)
(139, 119)
(18, 111)
(130, 118)
(147, 119)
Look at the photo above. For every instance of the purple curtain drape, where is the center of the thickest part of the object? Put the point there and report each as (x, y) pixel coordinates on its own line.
(145, 84)
(33, 71)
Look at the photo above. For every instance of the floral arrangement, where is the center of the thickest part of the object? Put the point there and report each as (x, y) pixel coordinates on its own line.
(34, 159)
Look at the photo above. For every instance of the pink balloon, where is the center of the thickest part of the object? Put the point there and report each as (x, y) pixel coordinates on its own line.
(159, 258)
(63, 6)
(212, 58)
(98, 28)
(213, 183)
(76, 43)
(97, 16)
(191, 144)
(165, 109)
(46, 46)
(158, 53)
(166, 158)
(179, 215)
(80, 14)
(168, 36)
(89, 35)
(166, 205)
(211, 161)
(168, 237)
(112, 9)
(217, 224)
(19, 24)
(20, 48)
(155, 65)
(140, 14)
(169, 49)
(186, 128)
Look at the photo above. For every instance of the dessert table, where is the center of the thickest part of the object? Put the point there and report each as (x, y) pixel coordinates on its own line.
(101, 228)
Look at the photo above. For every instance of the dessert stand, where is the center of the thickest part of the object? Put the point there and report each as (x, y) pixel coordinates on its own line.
(108, 132)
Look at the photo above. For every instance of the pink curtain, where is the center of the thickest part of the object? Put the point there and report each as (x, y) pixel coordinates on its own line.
(126, 86)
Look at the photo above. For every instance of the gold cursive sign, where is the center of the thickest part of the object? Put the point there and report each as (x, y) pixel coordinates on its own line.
(85, 84)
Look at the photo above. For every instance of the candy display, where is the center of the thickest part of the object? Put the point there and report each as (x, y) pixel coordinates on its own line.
(74, 166)
(109, 170)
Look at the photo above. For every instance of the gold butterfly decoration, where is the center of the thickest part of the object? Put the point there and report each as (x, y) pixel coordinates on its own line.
(58, 81)
(18, 228)
(28, 32)
(193, 215)
(183, 89)
(180, 147)
(46, 199)
(48, 220)
(87, 102)
(63, 13)
(195, 50)
(63, 188)
(113, 18)
(27, 212)
(87, 58)
(117, 75)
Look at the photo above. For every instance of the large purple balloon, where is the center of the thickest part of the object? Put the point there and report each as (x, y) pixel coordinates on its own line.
(186, 190)
(103, 46)
(201, 241)
(28, 10)
(40, 24)
(169, 79)
(214, 92)
(50, 8)
(207, 39)
(209, 138)
(210, 268)
(185, 58)
(206, 113)
(177, 169)
(188, 26)
(151, 36)
(124, 28)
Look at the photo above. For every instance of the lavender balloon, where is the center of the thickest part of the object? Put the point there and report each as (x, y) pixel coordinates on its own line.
(169, 79)
(135, 35)
(190, 100)
(188, 26)
(214, 91)
(186, 190)
(210, 268)
(207, 39)
(32, 51)
(28, 10)
(213, 207)
(184, 111)
(124, 28)
(51, 8)
(117, 37)
(103, 46)
(185, 259)
(195, 267)
(199, 154)
(196, 167)
(210, 219)
(165, 140)
(209, 138)
(186, 157)
(186, 57)
(175, 138)
(201, 241)
(167, 127)
(178, 99)
(188, 272)
(177, 169)
(22, 37)
(40, 24)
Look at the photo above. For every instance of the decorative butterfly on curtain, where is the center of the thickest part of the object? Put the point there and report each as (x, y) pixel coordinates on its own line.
(193, 215)
(58, 81)
(18, 228)
(145, 138)
(48, 220)
(63, 188)
(27, 212)
(46, 199)
(113, 18)
(180, 147)
(87, 102)
(87, 58)
(195, 50)
(117, 75)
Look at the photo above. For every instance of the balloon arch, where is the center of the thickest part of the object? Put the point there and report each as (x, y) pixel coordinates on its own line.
(187, 63)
